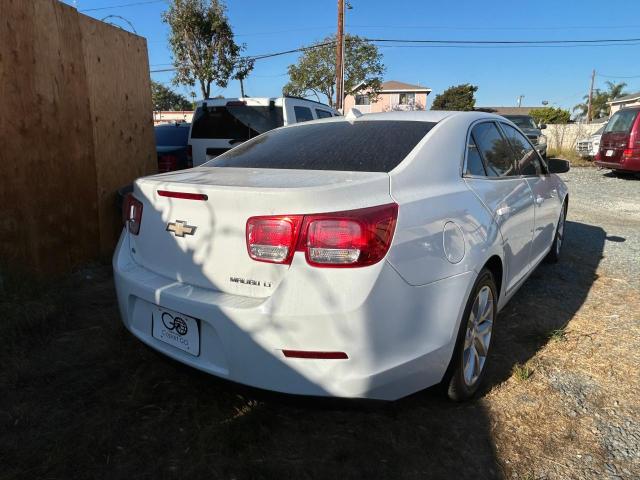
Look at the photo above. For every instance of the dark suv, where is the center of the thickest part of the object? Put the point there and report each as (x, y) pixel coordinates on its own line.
(532, 131)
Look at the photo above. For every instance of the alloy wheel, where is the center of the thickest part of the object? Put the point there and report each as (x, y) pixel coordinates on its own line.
(478, 335)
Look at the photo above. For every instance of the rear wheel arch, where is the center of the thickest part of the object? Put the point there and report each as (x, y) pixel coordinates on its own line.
(495, 266)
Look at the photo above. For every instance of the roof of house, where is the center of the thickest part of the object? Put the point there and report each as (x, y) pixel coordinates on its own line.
(395, 86)
(506, 110)
(626, 98)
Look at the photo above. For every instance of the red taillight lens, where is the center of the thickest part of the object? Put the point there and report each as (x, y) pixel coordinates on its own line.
(132, 213)
(272, 239)
(353, 238)
(167, 163)
(630, 153)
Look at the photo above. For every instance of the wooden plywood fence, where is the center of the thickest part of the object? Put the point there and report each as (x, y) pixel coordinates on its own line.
(75, 125)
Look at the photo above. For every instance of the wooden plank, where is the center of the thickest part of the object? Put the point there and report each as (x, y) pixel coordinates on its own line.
(47, 168)
(121, 107)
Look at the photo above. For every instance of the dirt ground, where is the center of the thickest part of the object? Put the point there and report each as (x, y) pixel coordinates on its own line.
(81, 398)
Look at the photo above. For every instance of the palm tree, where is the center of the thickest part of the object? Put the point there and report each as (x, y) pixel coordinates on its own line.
(599, 106)
(616, 90)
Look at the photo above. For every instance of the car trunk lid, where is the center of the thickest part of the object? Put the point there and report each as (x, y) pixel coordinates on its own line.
(202, 242)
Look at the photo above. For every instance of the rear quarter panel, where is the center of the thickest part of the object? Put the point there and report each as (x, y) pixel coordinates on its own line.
(431, 193)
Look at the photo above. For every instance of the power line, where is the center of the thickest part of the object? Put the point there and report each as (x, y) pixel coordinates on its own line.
(502, 42)
(423, 43)
(459, 27)
(133, 4)
(617, 76)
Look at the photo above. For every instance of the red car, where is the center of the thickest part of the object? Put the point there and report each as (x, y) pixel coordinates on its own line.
(620, 142)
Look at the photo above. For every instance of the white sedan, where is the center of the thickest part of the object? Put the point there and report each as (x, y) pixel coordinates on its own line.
(358, 256)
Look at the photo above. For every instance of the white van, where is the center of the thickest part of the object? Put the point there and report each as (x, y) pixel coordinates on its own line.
(221, 123)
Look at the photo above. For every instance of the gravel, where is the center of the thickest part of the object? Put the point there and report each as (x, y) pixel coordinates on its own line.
(600, 199)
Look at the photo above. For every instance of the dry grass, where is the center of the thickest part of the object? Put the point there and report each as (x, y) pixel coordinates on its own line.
(571, 155)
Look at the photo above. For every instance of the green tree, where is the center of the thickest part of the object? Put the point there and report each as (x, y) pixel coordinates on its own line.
(550, 115)
(599, 106)
(202, 44)
(459, 97)
(315, 72)
(166, 99)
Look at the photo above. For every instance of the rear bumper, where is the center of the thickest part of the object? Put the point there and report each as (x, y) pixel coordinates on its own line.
(399, 340)
(627, 166)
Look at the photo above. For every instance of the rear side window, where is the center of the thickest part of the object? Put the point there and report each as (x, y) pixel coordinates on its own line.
(235, 122)
(361, 146)
(474, 160)
(323, 113)
(494, 149)
(525, 156)
(303, 114)
(621, 122)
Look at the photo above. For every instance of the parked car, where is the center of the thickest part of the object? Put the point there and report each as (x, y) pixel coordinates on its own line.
(588, 147)
(533, 131)
(365, 256)
(221, 123)
(620, 142)
(172, 146)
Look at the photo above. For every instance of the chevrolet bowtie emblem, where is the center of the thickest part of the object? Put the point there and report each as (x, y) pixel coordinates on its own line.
(180, 228)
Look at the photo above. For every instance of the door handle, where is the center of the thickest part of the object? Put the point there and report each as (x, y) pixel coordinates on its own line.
(539, 200)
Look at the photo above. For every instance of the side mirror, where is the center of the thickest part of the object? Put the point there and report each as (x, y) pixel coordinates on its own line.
(558, 165)
(543, 126)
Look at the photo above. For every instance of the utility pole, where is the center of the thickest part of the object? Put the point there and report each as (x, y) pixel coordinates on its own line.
(520, 97)
(340, 56)
(589, 106)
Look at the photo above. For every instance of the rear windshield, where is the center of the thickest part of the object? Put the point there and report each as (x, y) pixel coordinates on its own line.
(172, 135)
(621, 122)
(237, 122)
(362, 146)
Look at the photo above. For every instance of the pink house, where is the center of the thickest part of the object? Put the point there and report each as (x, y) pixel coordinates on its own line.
(393, 96)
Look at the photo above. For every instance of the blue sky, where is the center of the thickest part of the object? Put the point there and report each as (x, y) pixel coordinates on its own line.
(558, 75)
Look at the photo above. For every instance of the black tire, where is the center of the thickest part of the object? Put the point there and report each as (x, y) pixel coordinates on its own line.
(458, 389)
(558, 239)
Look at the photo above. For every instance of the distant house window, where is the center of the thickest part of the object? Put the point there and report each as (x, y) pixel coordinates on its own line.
(407, 99)
(363, 100)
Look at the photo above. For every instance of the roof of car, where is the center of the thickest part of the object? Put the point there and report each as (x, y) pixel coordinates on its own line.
(423, 115)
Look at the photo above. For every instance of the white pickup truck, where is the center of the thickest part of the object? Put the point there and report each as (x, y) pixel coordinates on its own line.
(588, 147)
(219, 124)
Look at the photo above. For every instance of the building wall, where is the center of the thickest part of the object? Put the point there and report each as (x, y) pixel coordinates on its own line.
(385, 102)
(160, 117)
(618, 106)
(75, 126)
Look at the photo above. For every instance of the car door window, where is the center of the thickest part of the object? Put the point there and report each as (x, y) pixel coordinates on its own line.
(525, 156)
(494, 149)
(303, 114)
(474, 160)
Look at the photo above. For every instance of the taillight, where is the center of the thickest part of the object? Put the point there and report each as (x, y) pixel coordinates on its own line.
(189, 156)
(354, 238)
(272, 239)
(132, 213)
(630, 153)
(167, 163)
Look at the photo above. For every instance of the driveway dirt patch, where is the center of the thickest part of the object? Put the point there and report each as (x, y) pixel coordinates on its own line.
(81, 398)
